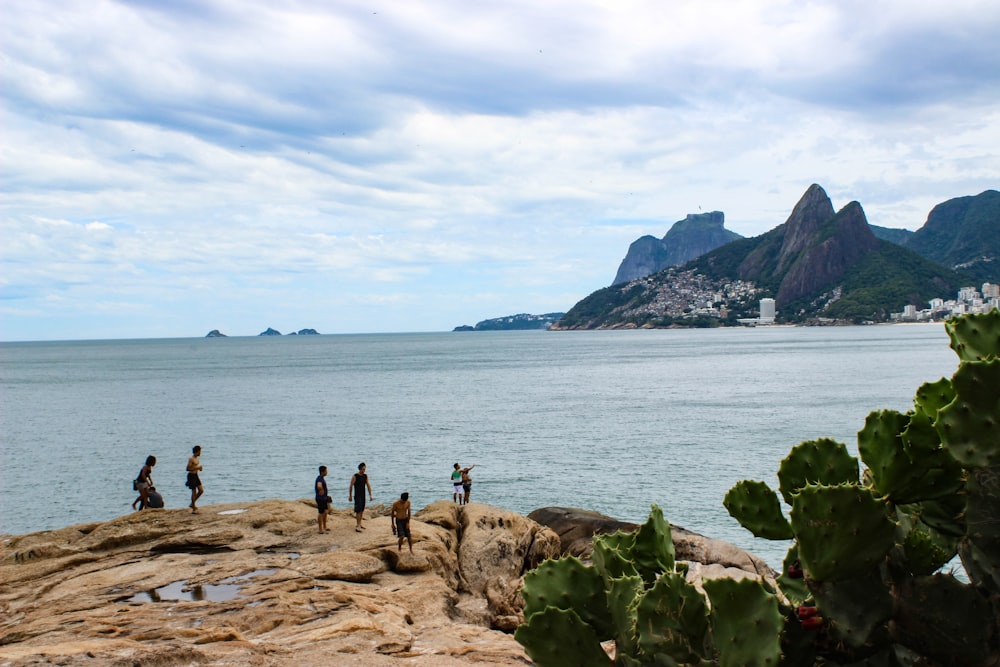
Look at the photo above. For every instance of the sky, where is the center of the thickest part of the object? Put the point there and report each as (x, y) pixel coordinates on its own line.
(168, 168)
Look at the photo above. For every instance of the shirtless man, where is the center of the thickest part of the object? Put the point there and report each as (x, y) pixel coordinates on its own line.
(401, 520)
(322, 499)
(193, 480)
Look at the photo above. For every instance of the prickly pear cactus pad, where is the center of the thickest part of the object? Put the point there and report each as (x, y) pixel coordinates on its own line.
(568, 584)
(975, 337)
(842, 531)
(556, 637)
(746, 623)
(758, 509)
(653, 550)
(672, 619)
(970, 425)
(822, 461)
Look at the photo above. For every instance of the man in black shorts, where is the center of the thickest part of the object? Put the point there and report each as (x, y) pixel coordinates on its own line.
(401, 520)
(193, 480)
(322, 499)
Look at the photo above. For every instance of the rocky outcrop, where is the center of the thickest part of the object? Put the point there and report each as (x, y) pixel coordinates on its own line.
(269, 332)
(215, 333)
(812, 250)
(686, 239)
(256, 584)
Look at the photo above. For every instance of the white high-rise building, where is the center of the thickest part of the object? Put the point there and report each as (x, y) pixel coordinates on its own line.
(766, 311)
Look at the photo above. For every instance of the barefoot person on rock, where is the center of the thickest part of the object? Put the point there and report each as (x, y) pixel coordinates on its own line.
(400, 518)
(322, 499)
(356, 493)
(193, 479)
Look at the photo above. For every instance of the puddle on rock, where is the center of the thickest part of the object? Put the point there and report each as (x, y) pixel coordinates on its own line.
(179, 592)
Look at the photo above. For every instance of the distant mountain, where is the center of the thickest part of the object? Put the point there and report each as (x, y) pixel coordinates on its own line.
(892, 235)
(686, 239)
(963, 233)
(519, 322)
(819, 263)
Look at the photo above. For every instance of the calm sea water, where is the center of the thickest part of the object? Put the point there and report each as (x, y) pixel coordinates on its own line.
(610, 420)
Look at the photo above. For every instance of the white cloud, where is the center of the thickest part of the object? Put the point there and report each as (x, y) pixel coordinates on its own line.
(221, 157)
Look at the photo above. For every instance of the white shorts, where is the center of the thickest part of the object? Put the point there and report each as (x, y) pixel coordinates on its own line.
(458, 488)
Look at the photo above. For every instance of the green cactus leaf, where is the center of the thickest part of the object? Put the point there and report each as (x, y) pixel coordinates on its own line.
(905, 458)
(623, 594)
(944, 620)
(858, 609)
(745, 623)
(653, 550)
(980, 549)
(672, 619)
(970, 426)
(612, 556)
(558, 637)
(842, 531)
(932, 396)
(568, 584)
(822, 461)
(975, 337)
(758, 509)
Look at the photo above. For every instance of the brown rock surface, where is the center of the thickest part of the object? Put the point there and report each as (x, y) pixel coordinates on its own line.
(255, 584)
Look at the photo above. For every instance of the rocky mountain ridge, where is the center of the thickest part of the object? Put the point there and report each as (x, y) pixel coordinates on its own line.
(819, 264)
(686, 239)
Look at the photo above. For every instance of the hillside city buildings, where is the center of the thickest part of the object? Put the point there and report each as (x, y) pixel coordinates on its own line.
(969, 300)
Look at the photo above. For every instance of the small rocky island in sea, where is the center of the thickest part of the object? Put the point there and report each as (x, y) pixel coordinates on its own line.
(215, 333)
(519, 322)
(255, 583)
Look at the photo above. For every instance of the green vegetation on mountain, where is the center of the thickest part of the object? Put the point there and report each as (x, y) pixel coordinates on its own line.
(818, 265)
(963, 233)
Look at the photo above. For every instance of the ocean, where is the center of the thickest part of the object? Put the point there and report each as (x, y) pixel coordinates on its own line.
(611, 421)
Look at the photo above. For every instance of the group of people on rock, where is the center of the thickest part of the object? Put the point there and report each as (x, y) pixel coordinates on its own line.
(148, 495)
(461, 483)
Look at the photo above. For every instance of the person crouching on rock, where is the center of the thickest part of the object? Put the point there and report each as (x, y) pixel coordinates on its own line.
(356, 492)
(144, 482)
(322, 499)
(401, 520)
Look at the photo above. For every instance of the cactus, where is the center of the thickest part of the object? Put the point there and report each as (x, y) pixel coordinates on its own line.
(822, 461)
(672, 619)
(841, 530)
(577, 642)
(746, 623)
(568, 584)
(861, 584)
(970, 425)
(758, 509)
(975, 338)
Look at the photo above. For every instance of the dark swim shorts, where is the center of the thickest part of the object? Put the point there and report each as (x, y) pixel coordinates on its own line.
(193, 481)
(322, 504)
(359, 504)
(402, 528)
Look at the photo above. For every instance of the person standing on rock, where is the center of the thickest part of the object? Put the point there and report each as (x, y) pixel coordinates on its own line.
(456, 484)
(193, 480)
(356, 492)
(466, 484)
(144, 482)
(401, 520)
(322, 499)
